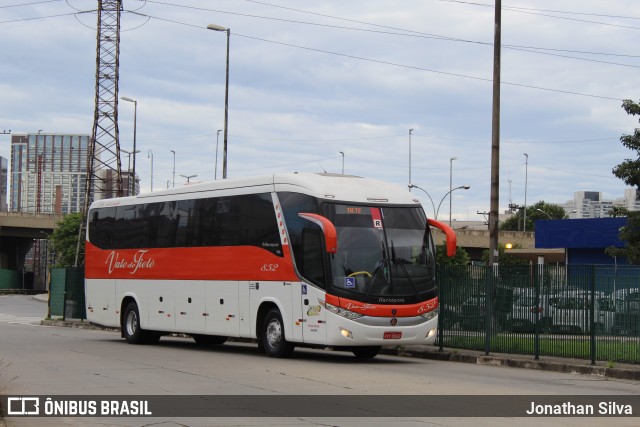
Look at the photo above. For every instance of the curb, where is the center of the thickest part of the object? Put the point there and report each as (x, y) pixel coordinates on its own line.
(630, 374)
(454, 355)
(78, 324)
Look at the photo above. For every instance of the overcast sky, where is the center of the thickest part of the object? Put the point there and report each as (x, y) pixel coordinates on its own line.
(311, 79)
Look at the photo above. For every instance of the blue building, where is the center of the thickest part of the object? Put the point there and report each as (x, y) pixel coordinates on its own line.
(585, 240)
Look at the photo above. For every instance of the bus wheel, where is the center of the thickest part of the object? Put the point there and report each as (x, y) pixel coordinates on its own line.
(133, 333)
(207, 340)
(368, 352)
(131, 324)
(273, 337)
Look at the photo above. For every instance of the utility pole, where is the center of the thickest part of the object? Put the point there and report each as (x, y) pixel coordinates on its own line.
(495, 141)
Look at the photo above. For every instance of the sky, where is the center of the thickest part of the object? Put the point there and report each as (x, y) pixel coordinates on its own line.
(308, 80)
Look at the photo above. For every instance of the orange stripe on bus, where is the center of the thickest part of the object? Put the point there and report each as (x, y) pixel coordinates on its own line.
(380, 310)
(198, 263)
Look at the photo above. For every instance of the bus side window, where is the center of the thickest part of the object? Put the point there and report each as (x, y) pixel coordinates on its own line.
(313, 268)
(101, 228)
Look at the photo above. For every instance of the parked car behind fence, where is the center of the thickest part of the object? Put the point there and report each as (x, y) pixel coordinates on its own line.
(529, 310)
(627, 312)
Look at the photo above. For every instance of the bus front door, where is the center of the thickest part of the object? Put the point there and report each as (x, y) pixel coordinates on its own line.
(314, 316)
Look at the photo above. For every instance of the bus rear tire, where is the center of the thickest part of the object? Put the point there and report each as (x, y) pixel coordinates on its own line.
(368, 352)
(273, 337)
(209, 340)
(131, 329)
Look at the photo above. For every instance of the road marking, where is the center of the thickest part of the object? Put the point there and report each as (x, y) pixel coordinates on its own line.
(20, 320)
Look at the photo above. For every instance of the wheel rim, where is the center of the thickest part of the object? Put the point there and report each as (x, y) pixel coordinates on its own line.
(274, 333)
(132, 323)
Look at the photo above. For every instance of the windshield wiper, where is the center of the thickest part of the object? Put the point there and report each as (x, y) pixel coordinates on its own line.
(404, 269)
(379, 268)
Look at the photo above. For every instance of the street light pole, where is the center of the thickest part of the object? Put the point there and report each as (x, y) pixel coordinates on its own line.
(226, 99)
(188, 177)
(435, 216)
(150, 156)
(174, 168)
(215, 170)
(526, 170)
(451, 186)
(342, 162)
(462, 187)
(128, 153)
(135, 122)
(410, 131)
(546, 213)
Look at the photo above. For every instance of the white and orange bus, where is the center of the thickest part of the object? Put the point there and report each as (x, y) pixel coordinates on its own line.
(287, 259)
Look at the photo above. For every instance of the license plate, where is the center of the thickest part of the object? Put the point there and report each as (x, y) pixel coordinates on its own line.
(392, 335)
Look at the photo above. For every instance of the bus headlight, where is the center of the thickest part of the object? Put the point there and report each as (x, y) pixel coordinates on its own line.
(430, 314)
(346, 333)
(347, 314)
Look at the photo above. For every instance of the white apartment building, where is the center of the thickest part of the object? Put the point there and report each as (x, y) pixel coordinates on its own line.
(590, 204)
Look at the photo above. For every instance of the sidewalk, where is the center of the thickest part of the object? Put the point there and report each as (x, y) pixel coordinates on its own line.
(555, 364)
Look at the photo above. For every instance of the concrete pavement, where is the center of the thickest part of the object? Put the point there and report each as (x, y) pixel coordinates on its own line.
(556, 364)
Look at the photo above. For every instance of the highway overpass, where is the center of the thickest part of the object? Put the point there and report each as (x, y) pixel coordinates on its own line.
(18, 231)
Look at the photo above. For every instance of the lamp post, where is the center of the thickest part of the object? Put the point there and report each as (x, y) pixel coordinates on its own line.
(462, 187)
(215, 173)
(341, 152)
(188, 177)
(128, 153)
(546, 213)
(526, 171)
(150, 156)
(451, 185)
(410, 131)
(226, 99)
(435, 216)
(135, 122)
(174, 168)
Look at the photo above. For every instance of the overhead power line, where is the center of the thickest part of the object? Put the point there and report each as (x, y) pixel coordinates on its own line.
(532, 11)
(29, 4)
(403, 32)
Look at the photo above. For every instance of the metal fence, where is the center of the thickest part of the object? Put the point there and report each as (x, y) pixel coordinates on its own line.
(579, 311)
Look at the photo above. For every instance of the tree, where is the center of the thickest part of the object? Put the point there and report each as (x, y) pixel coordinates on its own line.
(540, 210)
(618, 212)
(64, 241)
(506, 259)
(460, 258)
(629, 170)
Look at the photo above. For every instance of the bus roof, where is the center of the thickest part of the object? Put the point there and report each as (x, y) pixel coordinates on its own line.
(346, 188)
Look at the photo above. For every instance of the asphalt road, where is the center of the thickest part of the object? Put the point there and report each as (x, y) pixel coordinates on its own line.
(44, 360)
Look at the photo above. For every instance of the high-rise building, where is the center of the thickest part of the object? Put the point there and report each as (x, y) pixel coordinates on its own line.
(630, 200)
(48, 172)
(3, 183)
(589, 204)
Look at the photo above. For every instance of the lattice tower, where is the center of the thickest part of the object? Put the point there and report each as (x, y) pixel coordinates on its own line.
(104, 178)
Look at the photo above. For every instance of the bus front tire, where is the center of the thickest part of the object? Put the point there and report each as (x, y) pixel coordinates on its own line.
(273, 337)
(131, 329)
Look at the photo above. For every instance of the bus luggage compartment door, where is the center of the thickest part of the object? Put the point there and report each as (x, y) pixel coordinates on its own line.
(222, 307)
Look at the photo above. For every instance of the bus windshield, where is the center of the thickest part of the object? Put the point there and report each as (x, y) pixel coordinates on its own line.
(385, 254)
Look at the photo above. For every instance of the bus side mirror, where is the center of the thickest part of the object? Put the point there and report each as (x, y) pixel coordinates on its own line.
(449, 234)
(328, 229)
